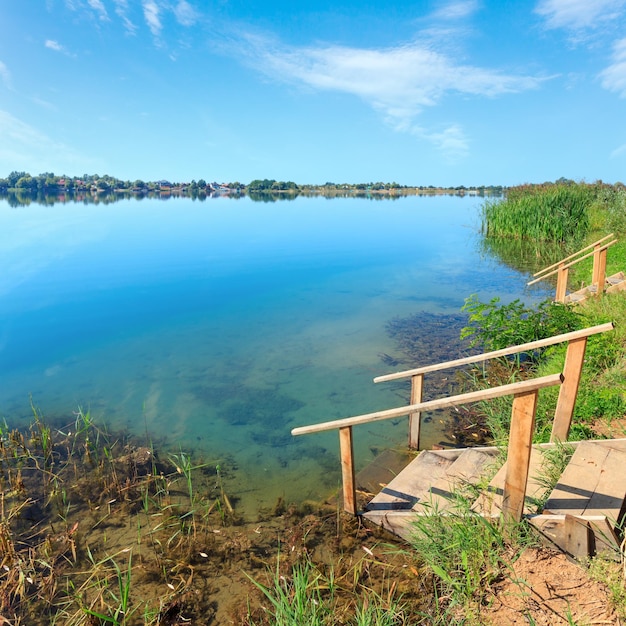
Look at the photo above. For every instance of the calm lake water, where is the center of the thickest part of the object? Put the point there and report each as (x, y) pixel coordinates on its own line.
(215, 327)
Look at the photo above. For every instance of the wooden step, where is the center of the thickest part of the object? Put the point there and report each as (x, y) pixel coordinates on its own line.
(383, 469)
(468, 469)
(406, 489)
(490, 501)
(579, 536)
(594, 482)
(616, 279)
(616, 282)
(425, 486)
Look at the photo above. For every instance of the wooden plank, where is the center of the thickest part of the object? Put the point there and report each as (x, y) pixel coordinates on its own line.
(452, 401)
(561, 284)
(571, 256)
(469, 468)
(347, 470)
(413, 482)
(490, 501)
(616, 279)
(417, 387)
(594, 482)
(397, 523)
(610, 491)
(518, 456)
(579, 536)
(568, 392)
(571, 263)
(383, 469)
(524, 347)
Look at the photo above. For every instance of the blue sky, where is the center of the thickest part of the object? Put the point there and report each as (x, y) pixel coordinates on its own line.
(423, 93)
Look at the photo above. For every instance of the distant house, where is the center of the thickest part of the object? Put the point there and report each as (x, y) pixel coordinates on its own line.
(164, 185)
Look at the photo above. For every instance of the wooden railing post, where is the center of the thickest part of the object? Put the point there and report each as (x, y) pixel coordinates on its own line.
(599, 269)
(518, 456)
(347, 469)
(572, 370)
(417, 387)
(561, 283)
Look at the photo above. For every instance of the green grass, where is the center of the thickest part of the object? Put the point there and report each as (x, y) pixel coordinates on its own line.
(553, 212)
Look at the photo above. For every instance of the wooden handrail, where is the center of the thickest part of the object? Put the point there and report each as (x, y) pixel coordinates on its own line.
(525, 347)
(522, 417)
(571, 256)
(565, 266)
(523, 386)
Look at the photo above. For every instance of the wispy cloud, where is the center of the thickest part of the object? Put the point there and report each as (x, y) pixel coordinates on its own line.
(121, 10)
(5, 75)
(185, 13)
(451, 142)
(619, 152)
(100, 9)
(52, 44)
(398, 82)
(456, 10)
(614, 76)
(579, 14)
(24, 147)
(152, 15)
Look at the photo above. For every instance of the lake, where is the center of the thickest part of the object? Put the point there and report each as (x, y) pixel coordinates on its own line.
(216, 327)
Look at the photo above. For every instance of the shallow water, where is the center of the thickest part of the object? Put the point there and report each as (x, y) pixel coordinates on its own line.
(219, 326)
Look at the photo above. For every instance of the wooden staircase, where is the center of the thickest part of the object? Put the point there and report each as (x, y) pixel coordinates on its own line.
(582, 515)
(600, 282)
(613, 283)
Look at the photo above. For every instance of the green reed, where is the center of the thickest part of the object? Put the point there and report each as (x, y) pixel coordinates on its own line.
(555, 213)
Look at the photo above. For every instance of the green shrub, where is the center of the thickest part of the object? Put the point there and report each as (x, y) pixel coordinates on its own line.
(494, 326)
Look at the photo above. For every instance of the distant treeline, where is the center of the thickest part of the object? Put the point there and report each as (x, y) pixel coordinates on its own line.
(50, 183)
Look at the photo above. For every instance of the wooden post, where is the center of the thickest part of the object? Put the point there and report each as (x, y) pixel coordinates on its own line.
(561, 283)
(569, 389)
(417, 387)
(347, 469)
(599, 270)
(518, 457)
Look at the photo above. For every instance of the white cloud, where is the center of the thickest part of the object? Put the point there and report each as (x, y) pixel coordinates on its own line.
(398, 82)
(578, 14)
(185, 13)
(99, 8)
(23, 147)
(151, 13)
(456, 10)
(451, 142)
(5, 75)
(614, 76)
(51, 44)
(121, 10)
(618, 152)
(54, 45)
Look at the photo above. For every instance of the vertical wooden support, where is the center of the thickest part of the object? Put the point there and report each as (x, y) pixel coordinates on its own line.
(569, 389)
(518, 457)
(347, 469)
(599, 270)
(561, 283)
(417, 388)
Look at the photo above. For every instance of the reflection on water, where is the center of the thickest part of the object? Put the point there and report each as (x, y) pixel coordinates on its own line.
(219, 326)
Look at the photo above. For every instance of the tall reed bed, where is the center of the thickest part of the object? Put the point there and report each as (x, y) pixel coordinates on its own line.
(550, 212)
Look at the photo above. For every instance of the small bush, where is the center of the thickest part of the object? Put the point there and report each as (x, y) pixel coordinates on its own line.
(494, 326)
